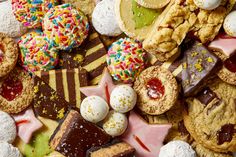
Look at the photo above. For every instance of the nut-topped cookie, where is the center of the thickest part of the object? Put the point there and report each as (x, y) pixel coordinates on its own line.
(210, 117)
(157, 90)
(16, 91)
(8, 54)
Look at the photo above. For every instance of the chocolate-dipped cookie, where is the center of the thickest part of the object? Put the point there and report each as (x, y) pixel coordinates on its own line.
(74, 136)
(198, 66)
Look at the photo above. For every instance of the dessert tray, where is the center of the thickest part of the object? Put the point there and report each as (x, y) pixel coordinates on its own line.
(117, 78)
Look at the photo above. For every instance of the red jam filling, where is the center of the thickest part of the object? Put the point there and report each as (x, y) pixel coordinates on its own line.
(11, 88)
(1, 53)
(155, 88)
(230, 63)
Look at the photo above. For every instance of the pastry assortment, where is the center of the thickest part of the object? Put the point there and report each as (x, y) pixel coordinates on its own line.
(117, 78)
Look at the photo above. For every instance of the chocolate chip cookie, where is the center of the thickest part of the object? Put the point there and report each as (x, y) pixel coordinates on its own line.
(210, 116)
(204, 152)
(8, 54)
(16, 91)
(157, 90)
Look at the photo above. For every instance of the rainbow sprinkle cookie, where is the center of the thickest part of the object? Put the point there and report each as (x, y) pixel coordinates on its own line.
(126, 59)
(65, 27)
(36, 53)
(31, 12)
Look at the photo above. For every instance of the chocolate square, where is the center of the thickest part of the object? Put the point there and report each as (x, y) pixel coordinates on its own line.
(74, 136)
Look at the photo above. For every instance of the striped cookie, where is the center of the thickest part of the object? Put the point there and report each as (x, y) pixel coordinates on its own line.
(66, 83)
(91, 56)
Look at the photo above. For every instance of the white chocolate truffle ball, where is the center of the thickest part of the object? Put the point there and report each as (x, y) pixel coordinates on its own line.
(104, 18)
(230, 24)
(94, 109)
(115, 123)
(7, 128)
(207, 4)
(177, 149)
(7, 150)
(123, 98)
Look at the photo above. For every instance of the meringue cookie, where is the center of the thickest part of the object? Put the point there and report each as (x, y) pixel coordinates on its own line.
(7, 128)
(230, 24)
(104, 20)
(94, 109)
(207, 4)
(123, 98)
(115, 123)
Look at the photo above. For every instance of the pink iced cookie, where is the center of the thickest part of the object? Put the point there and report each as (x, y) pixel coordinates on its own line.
(103, 89)
(224, 43)
(146, 138)
(27, 124)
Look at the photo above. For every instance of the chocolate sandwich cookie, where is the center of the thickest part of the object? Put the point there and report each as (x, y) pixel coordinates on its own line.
(114, 149)
(91, 56)
(210, 117)
(16, 91)
(47, 103)
(198, 66)
(8, 54)
(66, 83)
(157, 90)
(74, 136)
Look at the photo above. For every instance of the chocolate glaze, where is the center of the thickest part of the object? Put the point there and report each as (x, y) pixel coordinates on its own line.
(199, 66)
(78, 136)
(225, 134)
(47, 103)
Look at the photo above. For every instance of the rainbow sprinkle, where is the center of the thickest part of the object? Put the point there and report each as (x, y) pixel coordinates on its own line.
(126, 59)
(65, 27)
(36, 53)
(31, 12)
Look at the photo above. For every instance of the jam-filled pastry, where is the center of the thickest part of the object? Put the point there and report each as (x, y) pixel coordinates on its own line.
(157, 90)
(16, 91)
(8, 54)
(210, 117)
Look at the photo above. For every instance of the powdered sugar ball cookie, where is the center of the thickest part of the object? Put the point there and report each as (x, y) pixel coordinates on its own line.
(230, 24)
(7, 127)
(8, 23)
(104, 20)
(177, 149)
(207, 4)
(65, 27)
(8, 150)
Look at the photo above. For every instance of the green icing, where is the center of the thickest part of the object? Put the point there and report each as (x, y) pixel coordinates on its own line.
(143, 16)
(38, 146)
